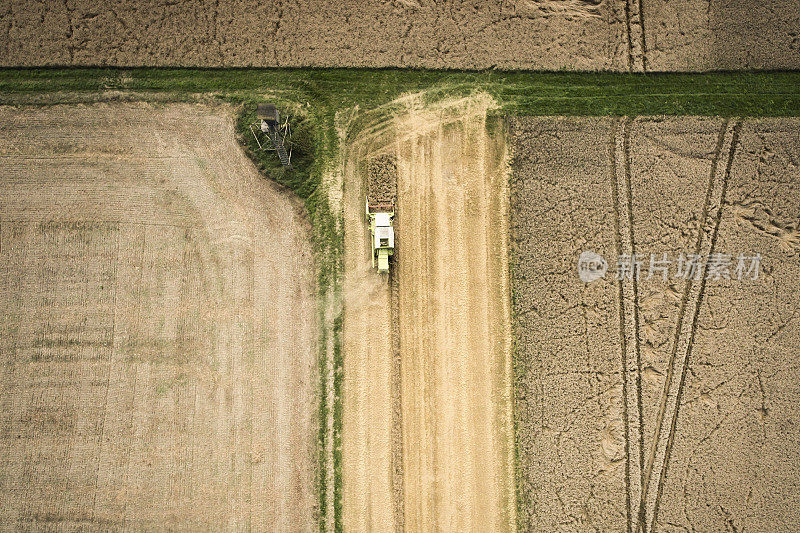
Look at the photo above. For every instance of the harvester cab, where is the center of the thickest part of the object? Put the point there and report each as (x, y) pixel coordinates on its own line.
(380, 217)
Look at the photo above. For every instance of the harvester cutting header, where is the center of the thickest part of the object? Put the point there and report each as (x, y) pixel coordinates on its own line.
(380, 217)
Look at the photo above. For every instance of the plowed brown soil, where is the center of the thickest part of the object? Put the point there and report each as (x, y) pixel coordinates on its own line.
(158, 338)
(652, 405)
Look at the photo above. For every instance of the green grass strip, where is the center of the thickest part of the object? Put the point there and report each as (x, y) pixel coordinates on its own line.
(528, 93)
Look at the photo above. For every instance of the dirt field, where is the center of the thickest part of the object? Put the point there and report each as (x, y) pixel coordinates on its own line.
(655, 404)
(518, 34)
(158, 340)
(453, 330)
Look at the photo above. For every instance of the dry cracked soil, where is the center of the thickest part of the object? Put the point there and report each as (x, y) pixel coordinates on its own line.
(666, 404)
(619, 35)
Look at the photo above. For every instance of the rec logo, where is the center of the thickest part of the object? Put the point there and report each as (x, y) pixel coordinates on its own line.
(591, 266)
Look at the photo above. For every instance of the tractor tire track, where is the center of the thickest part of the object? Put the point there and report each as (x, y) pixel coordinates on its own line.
(715, 232)
(629, 320)
(682, 313)
(644, 41)
(635, 285)
(622, 337)
(687, 325)
(634, 27)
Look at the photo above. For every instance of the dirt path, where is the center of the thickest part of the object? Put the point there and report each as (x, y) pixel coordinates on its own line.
(158, 340)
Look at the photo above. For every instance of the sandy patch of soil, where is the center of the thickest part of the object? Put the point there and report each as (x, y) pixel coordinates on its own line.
(657, 405)
(158, 338)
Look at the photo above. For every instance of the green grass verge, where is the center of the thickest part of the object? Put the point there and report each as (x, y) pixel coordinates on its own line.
(529, 93)
(312, 98)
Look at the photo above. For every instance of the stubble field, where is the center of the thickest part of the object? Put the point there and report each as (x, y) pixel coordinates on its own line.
(667, 405)
(428, 438)
(158, 341)
(159, 347)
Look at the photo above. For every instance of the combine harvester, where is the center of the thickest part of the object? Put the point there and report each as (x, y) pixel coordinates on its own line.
(380, 217)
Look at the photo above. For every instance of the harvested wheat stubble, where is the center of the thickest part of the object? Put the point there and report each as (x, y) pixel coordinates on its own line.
(158, 340)
(368, 458)
(547, 34)
(454, 318)
(445, 376)
(692, 35)
(665, 405)
(620, 35)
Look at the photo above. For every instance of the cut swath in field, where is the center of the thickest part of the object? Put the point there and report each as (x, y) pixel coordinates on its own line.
(452, 318)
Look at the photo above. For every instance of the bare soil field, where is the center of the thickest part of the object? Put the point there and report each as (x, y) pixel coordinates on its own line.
(620, 35)
(648, 404)
(159, 340)
(452, 313)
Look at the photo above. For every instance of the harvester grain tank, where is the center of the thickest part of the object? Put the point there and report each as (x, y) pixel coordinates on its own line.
(380, 217)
